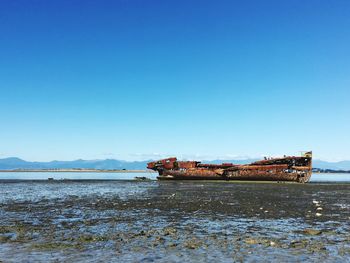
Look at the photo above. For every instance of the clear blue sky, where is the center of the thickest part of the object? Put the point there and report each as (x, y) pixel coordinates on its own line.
(133, 79)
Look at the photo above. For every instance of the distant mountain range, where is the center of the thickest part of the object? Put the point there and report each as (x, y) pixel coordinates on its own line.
(17, 163)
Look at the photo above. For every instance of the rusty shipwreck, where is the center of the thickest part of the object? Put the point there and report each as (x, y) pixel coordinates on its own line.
(287, 168)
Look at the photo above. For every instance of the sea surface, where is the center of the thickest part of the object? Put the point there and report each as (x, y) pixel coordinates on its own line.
(176, 221)
(316, 177)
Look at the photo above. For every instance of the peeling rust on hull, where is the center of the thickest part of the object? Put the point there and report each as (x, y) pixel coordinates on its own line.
(288, 168)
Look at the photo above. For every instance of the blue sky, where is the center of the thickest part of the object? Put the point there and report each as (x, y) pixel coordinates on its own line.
(199, 79)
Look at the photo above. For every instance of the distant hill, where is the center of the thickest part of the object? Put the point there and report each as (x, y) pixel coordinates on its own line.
(342, 165)
(16, 163)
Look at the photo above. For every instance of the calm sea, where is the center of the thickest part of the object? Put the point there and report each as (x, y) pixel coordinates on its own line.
(317, 177)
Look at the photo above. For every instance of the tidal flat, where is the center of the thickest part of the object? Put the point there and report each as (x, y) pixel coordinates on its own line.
(179, 221)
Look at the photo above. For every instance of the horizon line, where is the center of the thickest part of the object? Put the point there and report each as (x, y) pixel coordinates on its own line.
(151, 159)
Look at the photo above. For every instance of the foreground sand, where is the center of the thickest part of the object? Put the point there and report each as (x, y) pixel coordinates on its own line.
(174, 222)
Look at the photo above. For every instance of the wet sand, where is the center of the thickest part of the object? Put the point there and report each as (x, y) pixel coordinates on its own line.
(153, 221)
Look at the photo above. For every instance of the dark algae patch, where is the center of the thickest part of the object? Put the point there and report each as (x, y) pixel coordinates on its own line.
(124, 221)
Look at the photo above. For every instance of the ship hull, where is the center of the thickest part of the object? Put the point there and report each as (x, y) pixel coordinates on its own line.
(288, 168)
(240, 175)
(252, 178)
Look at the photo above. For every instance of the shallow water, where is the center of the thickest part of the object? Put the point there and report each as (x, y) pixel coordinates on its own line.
(73, 175)
(316, 177)
(131, 221)
(34, 191)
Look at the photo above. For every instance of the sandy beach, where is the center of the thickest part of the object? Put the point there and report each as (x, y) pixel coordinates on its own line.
(132, 221)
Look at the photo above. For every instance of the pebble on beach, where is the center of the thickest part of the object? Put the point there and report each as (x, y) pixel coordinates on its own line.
(312, 232)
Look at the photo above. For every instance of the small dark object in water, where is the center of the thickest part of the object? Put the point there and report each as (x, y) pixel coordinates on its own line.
(50, 179)
(142, 178)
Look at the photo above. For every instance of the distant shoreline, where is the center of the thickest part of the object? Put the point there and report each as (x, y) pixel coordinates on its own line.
(74, 171)
(117, 171)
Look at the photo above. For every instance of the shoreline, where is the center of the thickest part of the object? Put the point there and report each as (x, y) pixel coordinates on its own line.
(218, 182)
(104, 171)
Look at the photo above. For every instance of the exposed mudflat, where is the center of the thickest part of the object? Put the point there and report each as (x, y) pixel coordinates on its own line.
(134, 221)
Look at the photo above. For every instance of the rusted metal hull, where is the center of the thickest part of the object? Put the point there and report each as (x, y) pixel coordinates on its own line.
(195, 174)
(237, 175)
(292, 169)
